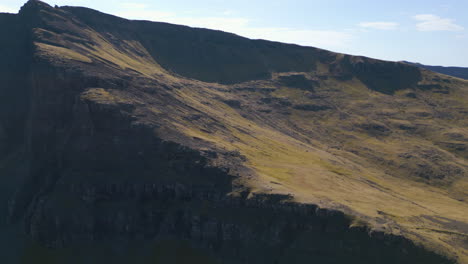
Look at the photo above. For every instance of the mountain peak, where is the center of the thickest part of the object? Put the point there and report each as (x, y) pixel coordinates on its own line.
(30, 10)
(35, 4)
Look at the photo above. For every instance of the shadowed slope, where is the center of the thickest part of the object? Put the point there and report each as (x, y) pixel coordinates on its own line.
(207, 55)
(459, 72)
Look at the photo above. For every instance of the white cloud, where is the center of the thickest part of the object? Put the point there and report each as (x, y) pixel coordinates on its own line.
(8, 9)
(379, 25)
(242, 26)
(429, 22)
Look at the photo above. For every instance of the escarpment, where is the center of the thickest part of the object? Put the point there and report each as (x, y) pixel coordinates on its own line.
(15, 52)
(99, 176)
(142, 142)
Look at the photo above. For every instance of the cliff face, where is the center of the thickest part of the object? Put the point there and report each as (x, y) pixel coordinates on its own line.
(15, 52)
(110, 144)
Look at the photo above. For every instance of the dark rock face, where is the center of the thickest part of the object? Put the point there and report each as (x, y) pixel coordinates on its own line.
(384, 77)
(14, 100)
(15, 54)
(231, 230)
(233, 103)
(298, 81)
(375, 129)
(311, 107)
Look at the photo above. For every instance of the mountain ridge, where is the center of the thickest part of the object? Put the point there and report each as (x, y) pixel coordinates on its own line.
(460, 72)
(383, 142)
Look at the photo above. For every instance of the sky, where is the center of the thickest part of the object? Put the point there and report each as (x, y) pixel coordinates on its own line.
(433, 32)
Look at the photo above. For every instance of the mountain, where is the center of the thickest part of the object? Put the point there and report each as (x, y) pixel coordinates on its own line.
(138, 142)
(459, 72)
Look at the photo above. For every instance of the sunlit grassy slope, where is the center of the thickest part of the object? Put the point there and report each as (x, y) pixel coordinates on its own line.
(395, 158)
(402, 181)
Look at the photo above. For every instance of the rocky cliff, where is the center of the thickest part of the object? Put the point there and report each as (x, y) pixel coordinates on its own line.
(141, 142)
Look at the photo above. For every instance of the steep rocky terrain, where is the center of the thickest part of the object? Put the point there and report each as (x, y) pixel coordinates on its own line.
(139, 142)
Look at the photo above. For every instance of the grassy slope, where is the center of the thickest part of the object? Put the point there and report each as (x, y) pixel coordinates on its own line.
(321, 159)
(395, 161)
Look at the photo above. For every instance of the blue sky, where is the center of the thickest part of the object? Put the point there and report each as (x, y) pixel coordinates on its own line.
(431, 31)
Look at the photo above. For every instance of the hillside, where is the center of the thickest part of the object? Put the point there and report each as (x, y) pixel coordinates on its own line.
(134, 141)
(458, 72)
